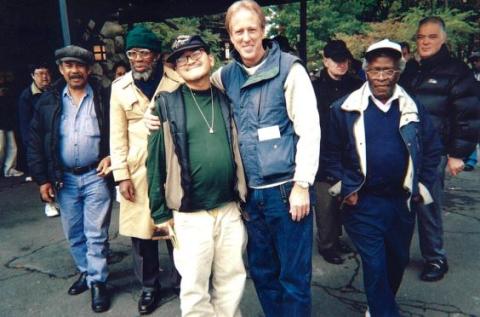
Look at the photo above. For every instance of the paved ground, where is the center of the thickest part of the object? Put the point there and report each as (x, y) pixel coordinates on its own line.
(36, 269)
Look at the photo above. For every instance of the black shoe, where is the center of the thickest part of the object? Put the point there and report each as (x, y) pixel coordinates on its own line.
(100, 297)
(468, 168)
(343, 247)
(331, 256)
(434, 270)
(79, 286)
(148, 301)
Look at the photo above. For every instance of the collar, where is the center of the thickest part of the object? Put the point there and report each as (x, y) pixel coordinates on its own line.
(35, 90)
(88, 92)
(360, 98)
(442, 56)
(383, 106)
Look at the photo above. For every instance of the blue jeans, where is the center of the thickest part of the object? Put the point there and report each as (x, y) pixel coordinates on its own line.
(279, 252)
(381, 228)
(430, 222)
(86, 203)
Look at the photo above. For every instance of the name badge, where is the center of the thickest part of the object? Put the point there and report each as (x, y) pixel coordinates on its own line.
(269, 133)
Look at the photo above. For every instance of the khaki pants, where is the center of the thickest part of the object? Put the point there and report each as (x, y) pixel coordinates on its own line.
(210, 243)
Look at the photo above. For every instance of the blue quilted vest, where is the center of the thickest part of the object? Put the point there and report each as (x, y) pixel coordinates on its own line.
(259, 102)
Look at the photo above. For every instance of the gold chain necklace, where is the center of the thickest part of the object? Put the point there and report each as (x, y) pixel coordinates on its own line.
(210, 127)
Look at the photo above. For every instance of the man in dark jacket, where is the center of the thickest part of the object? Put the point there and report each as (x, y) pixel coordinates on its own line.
(68, 158)
(196, 182)
(26, 103)
(383, 150)
(333, 83)
(445, 86)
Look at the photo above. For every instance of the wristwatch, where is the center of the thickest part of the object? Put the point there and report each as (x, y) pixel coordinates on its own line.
(304, 185)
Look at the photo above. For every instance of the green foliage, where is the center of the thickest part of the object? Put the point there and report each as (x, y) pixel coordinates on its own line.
(362, 22)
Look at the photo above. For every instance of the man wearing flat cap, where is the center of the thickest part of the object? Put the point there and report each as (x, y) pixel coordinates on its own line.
(196, 184)
(132, 94)
(383, 151)
(68, 156)
(333, 83)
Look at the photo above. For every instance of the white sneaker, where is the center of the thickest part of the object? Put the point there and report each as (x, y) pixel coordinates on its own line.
(28, 179)
(13, 173)
(51, 210)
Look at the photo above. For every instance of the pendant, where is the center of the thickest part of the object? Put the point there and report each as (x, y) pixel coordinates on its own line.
(210, 130)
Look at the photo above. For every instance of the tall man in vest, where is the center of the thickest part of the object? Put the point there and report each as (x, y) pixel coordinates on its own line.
(196, 184)
(132, 94)
(383, 150)
(275, 111)
(276, 114)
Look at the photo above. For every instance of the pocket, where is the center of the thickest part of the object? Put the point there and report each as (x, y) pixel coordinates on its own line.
(91, 128)
(276, 157)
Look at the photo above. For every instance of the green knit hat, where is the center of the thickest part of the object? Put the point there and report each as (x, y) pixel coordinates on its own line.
(141, 37)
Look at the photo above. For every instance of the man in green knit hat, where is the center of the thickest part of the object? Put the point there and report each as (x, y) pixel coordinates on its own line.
(132, 95)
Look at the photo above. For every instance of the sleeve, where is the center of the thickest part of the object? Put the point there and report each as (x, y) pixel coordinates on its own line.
(464, 115)
(25, 114)
(37, 164)
(302, 110)
(156, 176)
(432, 149)
(118, 138)
(216, 79)
(331, 157)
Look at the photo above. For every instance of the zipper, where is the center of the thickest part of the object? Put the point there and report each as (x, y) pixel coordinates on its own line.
(364, 176)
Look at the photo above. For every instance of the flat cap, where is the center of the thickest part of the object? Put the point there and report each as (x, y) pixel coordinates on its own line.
(74, 53)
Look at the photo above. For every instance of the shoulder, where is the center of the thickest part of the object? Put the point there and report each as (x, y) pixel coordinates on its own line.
(123, 81)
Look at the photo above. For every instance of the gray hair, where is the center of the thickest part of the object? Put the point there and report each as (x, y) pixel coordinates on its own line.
(435, 20)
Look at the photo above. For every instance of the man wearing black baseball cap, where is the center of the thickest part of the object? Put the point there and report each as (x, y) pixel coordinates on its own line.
(333, 83)
(68, 156)
(196, 183)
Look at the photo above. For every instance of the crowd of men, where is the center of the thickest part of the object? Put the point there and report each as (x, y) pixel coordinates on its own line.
(204, 160)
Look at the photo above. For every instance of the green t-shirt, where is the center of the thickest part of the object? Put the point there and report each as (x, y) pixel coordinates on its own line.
(211, 162)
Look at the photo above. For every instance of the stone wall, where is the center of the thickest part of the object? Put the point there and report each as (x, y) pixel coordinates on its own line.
(112, 34)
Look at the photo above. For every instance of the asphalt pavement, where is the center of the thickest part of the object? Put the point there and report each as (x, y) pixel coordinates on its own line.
(36, 267)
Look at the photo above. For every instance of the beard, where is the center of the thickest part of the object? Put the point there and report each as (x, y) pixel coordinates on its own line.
(146, 74)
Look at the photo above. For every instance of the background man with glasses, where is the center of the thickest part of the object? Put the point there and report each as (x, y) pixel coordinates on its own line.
(26, 103)
(132, 94)
(383, 150)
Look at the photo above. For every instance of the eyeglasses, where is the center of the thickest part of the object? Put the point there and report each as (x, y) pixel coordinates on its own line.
(133, 54)
(387, 73)
(195, 56)
(41, 73)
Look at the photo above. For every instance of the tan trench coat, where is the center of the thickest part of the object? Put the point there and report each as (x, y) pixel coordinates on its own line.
(128, 149)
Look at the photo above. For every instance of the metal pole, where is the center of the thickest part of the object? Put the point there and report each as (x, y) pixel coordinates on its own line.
(62, 4)
(302, 48)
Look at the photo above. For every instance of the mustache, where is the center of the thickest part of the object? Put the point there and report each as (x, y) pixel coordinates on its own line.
(75, 76)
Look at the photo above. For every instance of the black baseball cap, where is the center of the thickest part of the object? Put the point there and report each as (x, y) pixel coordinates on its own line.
(184, 43)
(337, 50)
